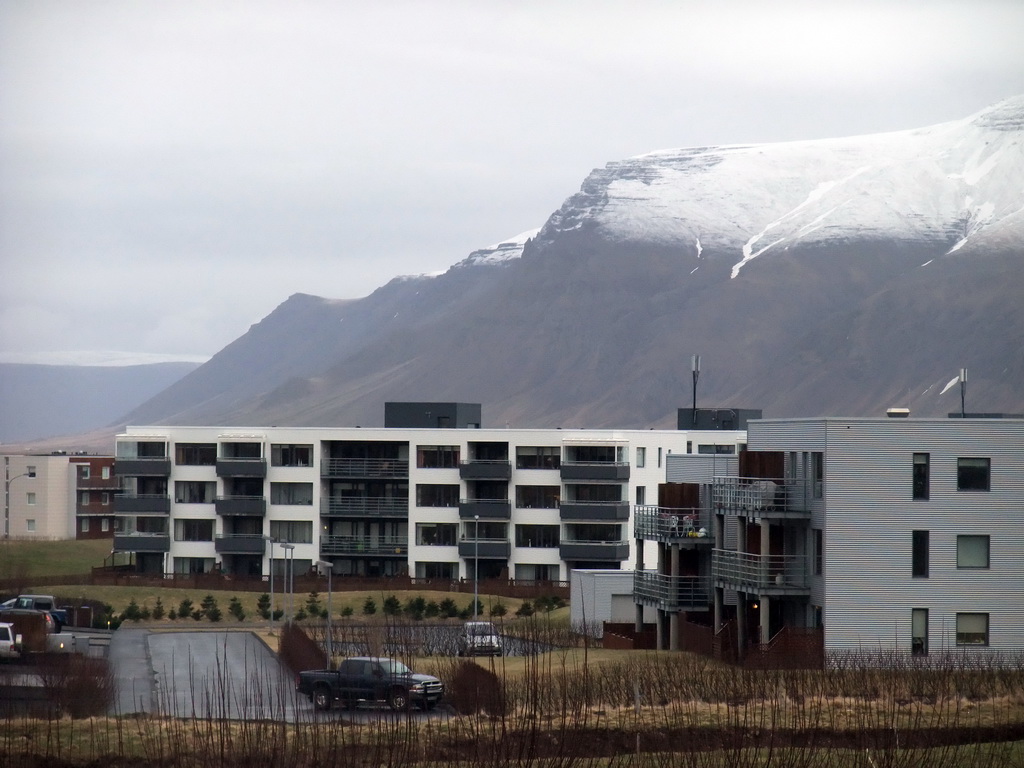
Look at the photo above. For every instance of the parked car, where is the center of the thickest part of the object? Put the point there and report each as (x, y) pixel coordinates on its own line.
(370, 679)
(10, 642)
(479, 638)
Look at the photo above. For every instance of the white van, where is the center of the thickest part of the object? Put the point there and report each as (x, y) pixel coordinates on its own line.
(479, 638)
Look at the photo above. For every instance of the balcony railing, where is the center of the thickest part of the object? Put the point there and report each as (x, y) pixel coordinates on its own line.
(673, 525)
(489, 469)
(489, 549)
(593, 510)
(364, 506)
(142, 503)
(672, 593)
(364, 468)
(595, 470)
(240, 544)
(760, 497)
(492, 509)
(387, 546)
(227, 467)
(248, 506)
(143, 466)
(593, 550)
(764, 574)
(142, 542)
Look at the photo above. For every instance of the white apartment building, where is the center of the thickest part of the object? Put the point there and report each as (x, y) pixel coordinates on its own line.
(878, 534)
(437, 502)
(39, 497)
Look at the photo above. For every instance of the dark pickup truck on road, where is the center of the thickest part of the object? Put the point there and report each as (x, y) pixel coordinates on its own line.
(370, 679)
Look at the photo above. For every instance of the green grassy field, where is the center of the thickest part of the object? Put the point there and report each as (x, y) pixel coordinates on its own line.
(28, 559)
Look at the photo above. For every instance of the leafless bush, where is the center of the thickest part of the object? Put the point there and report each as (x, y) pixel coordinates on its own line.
(76, 685)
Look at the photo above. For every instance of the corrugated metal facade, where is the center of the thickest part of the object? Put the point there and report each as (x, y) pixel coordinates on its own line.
(868, 513)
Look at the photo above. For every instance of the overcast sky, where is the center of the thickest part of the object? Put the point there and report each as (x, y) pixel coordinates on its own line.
(172, 171)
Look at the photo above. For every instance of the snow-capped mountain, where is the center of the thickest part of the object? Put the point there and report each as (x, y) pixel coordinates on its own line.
(838, 276)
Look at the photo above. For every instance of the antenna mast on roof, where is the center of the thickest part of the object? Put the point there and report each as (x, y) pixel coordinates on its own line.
(695, 367)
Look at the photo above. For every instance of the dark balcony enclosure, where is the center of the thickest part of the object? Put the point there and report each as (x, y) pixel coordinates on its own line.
(243, 486)
(195, 454)
(538, 457)
(488, 451)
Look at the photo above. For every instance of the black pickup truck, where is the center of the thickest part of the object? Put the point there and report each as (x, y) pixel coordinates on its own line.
(370, 679)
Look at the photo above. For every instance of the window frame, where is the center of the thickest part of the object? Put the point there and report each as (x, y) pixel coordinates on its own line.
(961, 635)
(962, 556)
(964, 479)
(920, 554)
(920, 482)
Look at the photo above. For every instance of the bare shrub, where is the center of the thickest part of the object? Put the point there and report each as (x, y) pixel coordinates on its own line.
(473, 689)
(76, 685)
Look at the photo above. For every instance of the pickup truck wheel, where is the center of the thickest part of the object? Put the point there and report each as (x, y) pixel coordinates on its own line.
(322, 698)
(398, 699)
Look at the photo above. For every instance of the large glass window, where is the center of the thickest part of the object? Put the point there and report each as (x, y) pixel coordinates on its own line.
(972, 551)
(287, 455)
(195, 454)
(299, 494)
(194, 492)
(919, 554)
(919, 631)
(972, 474)
(921, 477)
(436, 534)
(972, 629)
(537, 536)
(428, 495)
(292, 531)
(537, 496)
(437, 456)
(538, 457)
(193, 530)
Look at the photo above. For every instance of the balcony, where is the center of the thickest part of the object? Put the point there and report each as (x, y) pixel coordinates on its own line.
(99, 484)
(759, 497)
(364, 506)
(142, 542)
(672, 593)
(594, 510)
(360, 546)
(148, 466)
(593, 550)
(365, 468)
(142, 504)
(671, 525)
(241, 467)
(249, 506)
(496, 469)
(762, 574)
(491, 509)
(240, 544)
(594, 470)
(489, 549)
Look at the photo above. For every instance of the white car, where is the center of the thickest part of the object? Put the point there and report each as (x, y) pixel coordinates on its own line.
(479, 638)
(10, 643)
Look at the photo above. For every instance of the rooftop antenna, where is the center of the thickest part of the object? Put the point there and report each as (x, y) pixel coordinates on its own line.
(695, 367)
(963, 392)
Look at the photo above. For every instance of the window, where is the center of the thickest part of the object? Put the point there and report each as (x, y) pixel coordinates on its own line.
(194, 492)
(484, 530)
(429, 495)
(437, 456)
(538, 457)
(84, 499)
(921, 476)
(286, 455)
(30, 470)
(641, 495)
(972, 551)
(195, 454)
(193, 530)
(919, 631)
(296, 494)
(659, 458)
(105, 473)
(716, 449)
(436, 534)
(972, 474)
(819, 551)
(537, 536)
(537, 496)
(641, 457)
(83, 471)
(818, 470)
(30, 525)
(440, 570)
(85, 525)
(972, 629)
(105, 499)
(919, 554)
(241, 450)
(30, 499)
(105, 524)
(292, 531)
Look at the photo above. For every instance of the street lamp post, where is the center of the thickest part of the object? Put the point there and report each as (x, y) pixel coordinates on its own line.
(289, 584)
(271, 540)
(7, 494)
(325, 565)
(476, 564)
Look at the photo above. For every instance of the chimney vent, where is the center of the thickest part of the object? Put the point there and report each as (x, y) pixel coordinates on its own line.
(898, 413)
